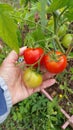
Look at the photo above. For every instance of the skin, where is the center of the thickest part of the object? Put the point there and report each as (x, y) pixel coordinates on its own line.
(13, 76)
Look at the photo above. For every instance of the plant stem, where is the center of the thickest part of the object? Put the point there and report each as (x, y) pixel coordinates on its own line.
(55, 17)
(55, 23)
(62, 12)
(64, 21)
(38, 62)
(69, 49)
(32, 65)
(39, 24)
(43, 40)
(56, 12)
(59, 44)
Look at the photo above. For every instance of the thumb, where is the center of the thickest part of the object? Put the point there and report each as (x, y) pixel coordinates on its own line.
(13, 56)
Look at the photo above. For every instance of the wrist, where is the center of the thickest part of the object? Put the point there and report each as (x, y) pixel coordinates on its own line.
(7, 101)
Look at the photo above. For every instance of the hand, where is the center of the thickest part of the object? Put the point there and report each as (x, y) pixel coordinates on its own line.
(12, 74)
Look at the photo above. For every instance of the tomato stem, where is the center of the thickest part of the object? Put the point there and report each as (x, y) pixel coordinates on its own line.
(55, 17)
(38, 60)
(32, 65)
(55, 57)
(55, 23)
(63, 12)
(43, 40)
(59, 44)
(39, 24)
(69, 49)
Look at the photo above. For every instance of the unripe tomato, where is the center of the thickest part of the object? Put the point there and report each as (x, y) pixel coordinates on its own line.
(62, 30)
(66, 41)
(51, 23)
(31, 78)
(55, 62)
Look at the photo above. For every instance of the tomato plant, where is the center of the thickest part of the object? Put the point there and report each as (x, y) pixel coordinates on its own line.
(55, 62)
(32, 55)
(45, 24)
(66, 41)
(32, 79)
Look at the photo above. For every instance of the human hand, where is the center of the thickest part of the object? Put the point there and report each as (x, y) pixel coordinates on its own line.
(12, 74)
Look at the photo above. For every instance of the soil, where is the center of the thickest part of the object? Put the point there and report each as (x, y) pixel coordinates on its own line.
(65, 101)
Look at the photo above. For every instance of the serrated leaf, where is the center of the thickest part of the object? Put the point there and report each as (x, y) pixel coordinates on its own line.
(8, 30)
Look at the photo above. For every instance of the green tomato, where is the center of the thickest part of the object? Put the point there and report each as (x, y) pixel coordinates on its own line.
(51, 21)
(31, 78)
(51, 24)
(62, 30)
(66, 41)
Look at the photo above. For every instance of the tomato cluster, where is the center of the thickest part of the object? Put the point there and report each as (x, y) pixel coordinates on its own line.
(54, 61)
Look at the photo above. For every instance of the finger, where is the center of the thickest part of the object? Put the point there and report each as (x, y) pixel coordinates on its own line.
(45, 84)
(13, 56)
(22, 50)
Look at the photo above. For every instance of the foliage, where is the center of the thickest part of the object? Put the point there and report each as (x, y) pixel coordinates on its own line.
(27, 115)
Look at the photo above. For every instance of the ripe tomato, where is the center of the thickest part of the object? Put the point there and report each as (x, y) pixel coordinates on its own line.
(31, 78)
(32, 55)
(66, 41)
(55, 62)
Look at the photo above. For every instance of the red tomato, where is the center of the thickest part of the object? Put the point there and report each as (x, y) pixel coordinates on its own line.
(32, 55)
(55, 62)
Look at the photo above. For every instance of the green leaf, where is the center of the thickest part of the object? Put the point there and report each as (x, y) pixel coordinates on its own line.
(61, 87)
(58, 4)
(22, 2)
(5, 8)
(43, 13)
(8, 29)
(69, 14)
(71, 70)
(70, 90)
(39, 37)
